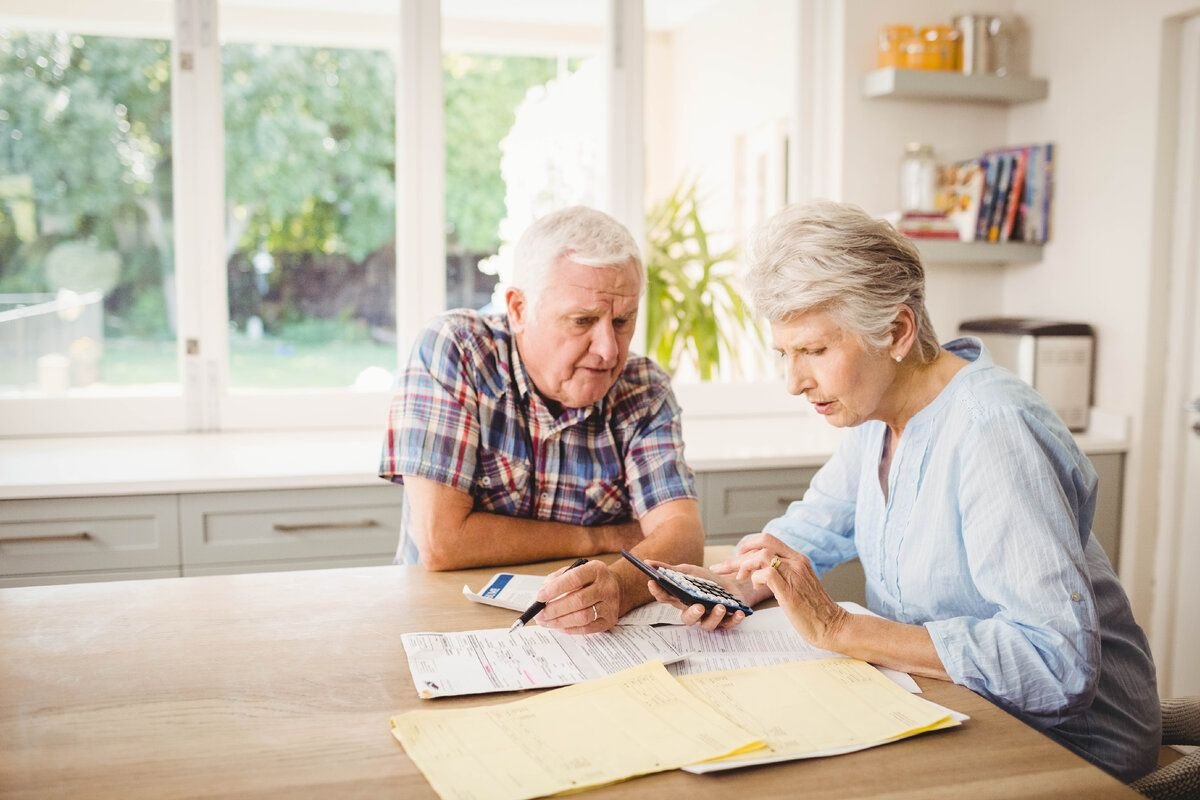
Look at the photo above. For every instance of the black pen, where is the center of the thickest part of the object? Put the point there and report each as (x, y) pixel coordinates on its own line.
(537, 607)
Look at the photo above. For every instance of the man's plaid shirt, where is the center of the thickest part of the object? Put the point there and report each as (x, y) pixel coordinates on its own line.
(467, 417)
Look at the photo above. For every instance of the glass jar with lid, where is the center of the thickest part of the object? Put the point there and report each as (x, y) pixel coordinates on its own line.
(891, 38)
(918, 179)
(941, 46)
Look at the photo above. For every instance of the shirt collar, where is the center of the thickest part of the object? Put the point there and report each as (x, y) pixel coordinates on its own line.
(970, 349)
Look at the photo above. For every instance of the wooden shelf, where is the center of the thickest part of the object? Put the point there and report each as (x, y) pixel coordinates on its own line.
(916, 84)
(935, 251)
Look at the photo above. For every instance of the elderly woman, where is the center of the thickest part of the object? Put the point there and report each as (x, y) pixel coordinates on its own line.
(963, 495)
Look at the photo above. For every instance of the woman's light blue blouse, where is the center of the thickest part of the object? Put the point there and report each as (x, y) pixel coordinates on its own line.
(984, 538)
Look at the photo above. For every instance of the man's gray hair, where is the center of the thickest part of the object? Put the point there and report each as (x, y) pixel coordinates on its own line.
(836, 257)
(584, 235)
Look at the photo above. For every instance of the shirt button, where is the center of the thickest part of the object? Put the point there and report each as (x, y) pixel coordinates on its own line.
(1076, 596)
(485, 480)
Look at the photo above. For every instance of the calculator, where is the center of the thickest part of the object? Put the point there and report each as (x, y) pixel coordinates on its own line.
(690, 589)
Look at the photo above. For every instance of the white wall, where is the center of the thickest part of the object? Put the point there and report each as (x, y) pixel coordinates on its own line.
(1106, 262)
(729, 70)
(875, 132)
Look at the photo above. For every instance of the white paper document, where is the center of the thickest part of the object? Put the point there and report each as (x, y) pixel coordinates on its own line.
(507, 590)
(474, 662)
(765, 637)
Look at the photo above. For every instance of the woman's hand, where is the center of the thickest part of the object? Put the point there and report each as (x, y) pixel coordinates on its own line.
(695, 614)
(788, 575)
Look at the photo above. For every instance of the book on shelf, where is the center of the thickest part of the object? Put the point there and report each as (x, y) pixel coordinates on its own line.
(1000, 196)
(964, 195)
(1013, 203)
(927, 225)
(1004, 195)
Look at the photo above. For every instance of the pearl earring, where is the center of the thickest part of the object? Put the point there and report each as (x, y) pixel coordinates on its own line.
(899, 359)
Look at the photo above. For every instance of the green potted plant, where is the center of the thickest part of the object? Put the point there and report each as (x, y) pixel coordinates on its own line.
(693, 310)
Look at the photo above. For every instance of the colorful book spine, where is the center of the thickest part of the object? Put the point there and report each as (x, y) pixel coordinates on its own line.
(1003, 182)
(991, 166)
(1020, 158)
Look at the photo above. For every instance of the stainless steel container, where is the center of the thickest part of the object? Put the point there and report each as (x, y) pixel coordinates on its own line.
(1055, 358)
(975, 32)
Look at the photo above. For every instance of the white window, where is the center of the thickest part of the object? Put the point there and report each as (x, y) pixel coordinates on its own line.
(236, 214)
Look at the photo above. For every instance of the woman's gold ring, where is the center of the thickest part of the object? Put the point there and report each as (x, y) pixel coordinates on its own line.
(595, 613)
(775, 562)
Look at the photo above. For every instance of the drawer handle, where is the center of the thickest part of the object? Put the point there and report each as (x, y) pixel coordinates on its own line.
(82, 536)
(326, 526)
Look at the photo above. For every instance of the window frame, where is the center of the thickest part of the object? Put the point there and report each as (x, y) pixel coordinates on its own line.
(203, 400)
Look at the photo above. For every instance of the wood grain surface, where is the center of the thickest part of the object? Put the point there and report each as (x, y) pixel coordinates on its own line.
(281, 685)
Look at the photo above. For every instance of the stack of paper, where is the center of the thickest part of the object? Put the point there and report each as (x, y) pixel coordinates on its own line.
(634, 723)
(643, 720)
(807, 709)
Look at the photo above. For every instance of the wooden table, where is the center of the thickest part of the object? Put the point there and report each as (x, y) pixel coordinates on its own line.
(281, 685)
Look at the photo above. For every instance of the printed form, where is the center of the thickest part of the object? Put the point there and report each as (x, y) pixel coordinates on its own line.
(474, 662)
(637, 722)
(765, 638)
(808, 709)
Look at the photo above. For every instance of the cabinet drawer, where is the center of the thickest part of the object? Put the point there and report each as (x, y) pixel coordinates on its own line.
(742, 502)
(94, 533)
(294, 524)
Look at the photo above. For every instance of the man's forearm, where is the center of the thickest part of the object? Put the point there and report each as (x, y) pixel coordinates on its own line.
(486, 539)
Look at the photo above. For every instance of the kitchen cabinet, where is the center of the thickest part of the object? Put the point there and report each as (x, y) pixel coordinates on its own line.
(119, 537)
(734, 503)
(290, 529)
(64, 540)
(67, 540)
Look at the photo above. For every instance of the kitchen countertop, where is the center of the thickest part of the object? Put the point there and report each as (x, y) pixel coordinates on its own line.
(219, 462)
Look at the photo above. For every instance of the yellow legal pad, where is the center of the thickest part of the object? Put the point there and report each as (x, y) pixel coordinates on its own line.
(633, 723)
(810, 708)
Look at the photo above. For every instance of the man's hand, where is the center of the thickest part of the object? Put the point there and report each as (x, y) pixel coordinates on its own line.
(586, 599)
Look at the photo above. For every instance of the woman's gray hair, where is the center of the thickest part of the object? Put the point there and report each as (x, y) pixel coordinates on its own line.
(836, 257)
(585, 235)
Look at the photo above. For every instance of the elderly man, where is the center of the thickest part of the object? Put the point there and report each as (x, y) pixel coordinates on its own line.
(534, 435)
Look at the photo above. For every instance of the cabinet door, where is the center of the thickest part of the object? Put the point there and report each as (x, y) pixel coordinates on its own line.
(1106, 526)
(89, 534)
(320, 525)
(734, 504)
(741, 502)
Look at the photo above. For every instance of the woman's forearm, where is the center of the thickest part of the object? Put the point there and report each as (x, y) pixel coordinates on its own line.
(908, 648)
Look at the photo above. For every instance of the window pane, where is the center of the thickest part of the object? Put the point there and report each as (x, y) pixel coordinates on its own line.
(86, 264)
(719, 94)
(310, 190)
(525, 122)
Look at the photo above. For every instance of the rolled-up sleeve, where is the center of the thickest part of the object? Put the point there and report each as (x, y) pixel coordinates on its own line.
(655, 469)
(821, 525)
(1020, 496)
(433, 424)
